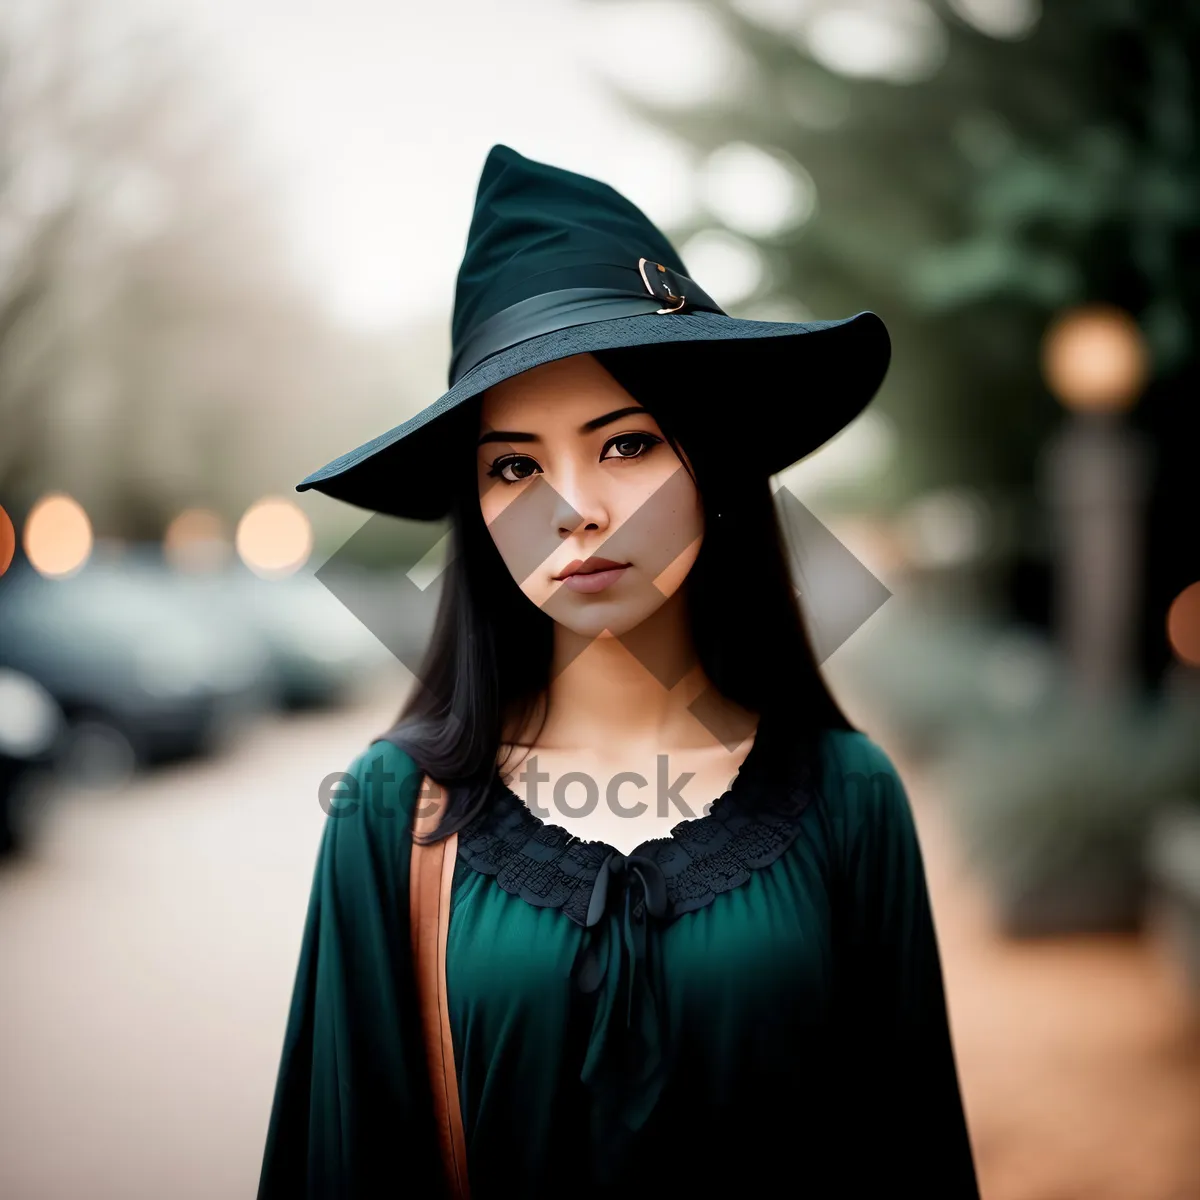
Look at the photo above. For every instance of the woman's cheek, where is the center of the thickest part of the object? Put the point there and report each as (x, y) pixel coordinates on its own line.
(671, 579)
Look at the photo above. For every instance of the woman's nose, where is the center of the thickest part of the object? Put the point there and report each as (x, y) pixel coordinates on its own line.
(578, 505)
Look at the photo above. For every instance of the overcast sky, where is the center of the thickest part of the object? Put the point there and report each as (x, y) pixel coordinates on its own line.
(380, 113)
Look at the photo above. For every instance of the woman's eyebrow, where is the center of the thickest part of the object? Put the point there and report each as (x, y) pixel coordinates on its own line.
(503, 435)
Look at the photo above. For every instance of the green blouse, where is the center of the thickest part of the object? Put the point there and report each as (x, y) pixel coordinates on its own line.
(754, 1001)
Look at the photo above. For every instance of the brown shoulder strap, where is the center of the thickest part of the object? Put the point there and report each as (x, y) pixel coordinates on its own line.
(431, 875)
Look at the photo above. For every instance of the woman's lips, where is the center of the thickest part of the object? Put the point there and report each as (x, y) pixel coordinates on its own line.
(596, 581)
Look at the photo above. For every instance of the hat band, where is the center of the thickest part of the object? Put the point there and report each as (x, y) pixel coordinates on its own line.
(561, 309)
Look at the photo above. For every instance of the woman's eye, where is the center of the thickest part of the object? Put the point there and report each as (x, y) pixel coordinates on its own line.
(516, 468)
(631, 445)
(518, 463)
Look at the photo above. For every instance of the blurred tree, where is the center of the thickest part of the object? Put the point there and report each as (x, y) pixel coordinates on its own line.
(979, 165)
(155, 350)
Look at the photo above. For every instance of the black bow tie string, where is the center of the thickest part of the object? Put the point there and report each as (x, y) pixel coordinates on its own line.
(644, 895)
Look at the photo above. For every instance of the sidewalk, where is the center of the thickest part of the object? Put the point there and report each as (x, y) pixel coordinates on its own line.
(1079, 1058)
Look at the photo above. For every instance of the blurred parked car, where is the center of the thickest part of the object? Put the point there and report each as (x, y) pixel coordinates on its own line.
(318, 651)
(31, 725)
(140, 679)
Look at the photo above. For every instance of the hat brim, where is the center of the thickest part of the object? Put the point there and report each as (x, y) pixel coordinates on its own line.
(804, 382)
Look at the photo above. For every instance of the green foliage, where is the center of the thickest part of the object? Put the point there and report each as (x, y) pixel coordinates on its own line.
(933, 677)
(1055, 811)
(1052, 798)
(968, 207)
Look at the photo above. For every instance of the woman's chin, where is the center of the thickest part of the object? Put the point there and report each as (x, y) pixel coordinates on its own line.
(593, 617)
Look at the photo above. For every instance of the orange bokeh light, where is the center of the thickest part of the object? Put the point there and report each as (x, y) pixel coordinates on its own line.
(274, 537)
(196, 541)
(1183, 625)
(1095, 358)
(58, 536)
(8, 541)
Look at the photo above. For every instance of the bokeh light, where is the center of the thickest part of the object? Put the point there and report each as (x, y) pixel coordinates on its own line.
(274, 538)
(945, 528)
(1183, 625)
(58, 536)
(779, 16)
(8, 541)
(196, 540)
(728, 267)
(1095, 358)
(30, 719)
(1017, 672)
(704, 64)
(902, 42)
(1006, 19)
(755, 192)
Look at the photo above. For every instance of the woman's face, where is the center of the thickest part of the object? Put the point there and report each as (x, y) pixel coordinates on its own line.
(571, 468)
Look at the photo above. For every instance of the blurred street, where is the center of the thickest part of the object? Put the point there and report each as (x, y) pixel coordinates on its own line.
(1079, 1057)
(150, 944)
(151, 940)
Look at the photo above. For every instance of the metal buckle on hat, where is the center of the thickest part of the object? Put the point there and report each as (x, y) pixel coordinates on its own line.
(660, 276)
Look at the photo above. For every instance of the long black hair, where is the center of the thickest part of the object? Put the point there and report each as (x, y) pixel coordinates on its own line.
(488, 662)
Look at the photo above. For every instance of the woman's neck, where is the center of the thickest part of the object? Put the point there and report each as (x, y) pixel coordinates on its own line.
(637, 690)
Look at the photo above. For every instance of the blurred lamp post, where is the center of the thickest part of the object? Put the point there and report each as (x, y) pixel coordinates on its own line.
(1095, 362)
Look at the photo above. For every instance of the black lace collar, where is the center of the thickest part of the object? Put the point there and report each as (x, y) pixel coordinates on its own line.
(745, 829)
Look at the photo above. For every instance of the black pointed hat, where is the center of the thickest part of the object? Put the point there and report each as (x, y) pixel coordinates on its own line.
(558, 264)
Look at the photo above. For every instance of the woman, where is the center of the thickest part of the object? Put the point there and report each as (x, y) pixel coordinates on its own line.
(690, 946)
